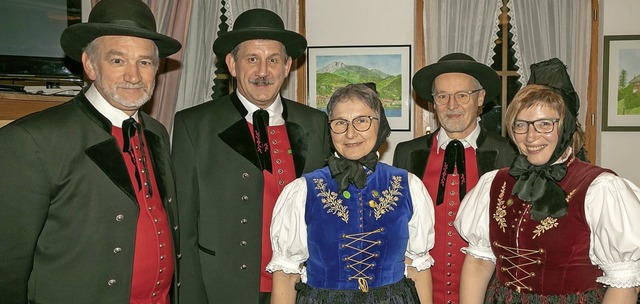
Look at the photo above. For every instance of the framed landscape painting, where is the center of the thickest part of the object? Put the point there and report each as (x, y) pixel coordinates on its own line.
(621, 83)
(389, 67)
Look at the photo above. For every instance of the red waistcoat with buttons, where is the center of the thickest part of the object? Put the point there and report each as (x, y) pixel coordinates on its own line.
(549, 257)
(283, 172)
(153, 263)
(446, 271)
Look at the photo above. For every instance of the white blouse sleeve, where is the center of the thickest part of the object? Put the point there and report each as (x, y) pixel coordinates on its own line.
(612, 207)
(289, 230)
(472, 221)
(421, 225)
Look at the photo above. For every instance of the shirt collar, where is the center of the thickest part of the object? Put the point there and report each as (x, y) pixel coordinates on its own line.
(470, 141)
(113, 114)
(565, 156)
(275, 110)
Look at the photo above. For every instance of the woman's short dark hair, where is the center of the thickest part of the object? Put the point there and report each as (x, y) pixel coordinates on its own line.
(358, 91)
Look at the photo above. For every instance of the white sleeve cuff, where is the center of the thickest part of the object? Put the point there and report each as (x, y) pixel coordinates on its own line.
(421, 262)
(483, 253)
(281, 263)
(621, 275)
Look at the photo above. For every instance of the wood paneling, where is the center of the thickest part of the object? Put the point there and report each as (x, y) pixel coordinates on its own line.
(591, 121)
(16, 105)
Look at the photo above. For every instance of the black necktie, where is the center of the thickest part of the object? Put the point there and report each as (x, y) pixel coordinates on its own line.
(261, 138)
(129, 129)
(453, 158)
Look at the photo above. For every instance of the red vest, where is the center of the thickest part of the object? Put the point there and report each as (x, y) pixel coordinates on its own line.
(550, 257)
(153, 263)
(447, 268)
(283, 173)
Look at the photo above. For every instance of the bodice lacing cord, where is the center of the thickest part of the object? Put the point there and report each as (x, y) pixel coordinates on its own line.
(367, 255)
(510, 266)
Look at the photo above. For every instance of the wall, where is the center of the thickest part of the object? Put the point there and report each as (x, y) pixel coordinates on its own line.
(363, 22)
(618, 150)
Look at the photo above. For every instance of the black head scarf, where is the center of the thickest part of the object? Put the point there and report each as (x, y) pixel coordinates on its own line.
(538, 184)
(346, 171)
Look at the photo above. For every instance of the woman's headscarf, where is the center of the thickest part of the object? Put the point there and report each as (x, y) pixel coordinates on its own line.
(345, 171)
(538, 184)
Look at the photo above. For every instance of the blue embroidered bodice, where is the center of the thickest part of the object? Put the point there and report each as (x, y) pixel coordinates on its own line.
(357, 239)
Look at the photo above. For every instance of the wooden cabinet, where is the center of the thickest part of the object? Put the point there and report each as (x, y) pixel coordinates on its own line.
(16, 105)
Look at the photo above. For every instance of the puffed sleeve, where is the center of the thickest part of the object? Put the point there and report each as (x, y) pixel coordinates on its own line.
(472, 221)
(612, 207)
(289, 230)
(421, 225)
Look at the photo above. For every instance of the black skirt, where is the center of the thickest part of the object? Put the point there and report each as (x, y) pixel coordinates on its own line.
(402, 292)
(499, 294)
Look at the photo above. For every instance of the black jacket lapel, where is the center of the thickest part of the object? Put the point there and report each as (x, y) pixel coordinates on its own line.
(299, 146)
(297, 139)
(108, 157)
(107, 154)
(418, 162)
(486, 157)
(238, 135)
(418, 158)
(158, 159)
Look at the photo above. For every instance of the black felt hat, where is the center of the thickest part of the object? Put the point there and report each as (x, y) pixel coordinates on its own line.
(259, 24)
(119, 18)
(456, 63)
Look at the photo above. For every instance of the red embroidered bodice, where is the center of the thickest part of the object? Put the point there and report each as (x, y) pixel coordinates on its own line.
(549, 257)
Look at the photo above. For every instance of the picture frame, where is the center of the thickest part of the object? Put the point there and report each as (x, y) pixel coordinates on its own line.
(621, 83)
(388, 66)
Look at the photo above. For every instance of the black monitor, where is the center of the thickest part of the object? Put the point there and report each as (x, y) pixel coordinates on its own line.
(30, 39)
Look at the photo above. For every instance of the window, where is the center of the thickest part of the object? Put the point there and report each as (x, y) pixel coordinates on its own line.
(504, 62)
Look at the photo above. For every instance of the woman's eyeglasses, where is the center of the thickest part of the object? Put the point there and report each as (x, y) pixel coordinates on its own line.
(541, 125)
(360, 123)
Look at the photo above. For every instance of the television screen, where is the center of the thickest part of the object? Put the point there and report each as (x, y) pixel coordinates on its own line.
(30, 39)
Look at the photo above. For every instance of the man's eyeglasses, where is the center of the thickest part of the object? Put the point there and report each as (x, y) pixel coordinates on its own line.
(541, 125)
(360, 123)
(461, 97)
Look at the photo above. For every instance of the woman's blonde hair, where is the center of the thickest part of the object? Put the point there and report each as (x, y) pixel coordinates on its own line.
(535, 94)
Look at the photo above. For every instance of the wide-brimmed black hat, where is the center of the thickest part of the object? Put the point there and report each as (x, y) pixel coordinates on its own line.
(119, 18)
(259, 24)
(456, 63)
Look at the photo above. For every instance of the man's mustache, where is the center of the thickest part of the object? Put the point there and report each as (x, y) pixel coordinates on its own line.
(129, 85)
(261, 81)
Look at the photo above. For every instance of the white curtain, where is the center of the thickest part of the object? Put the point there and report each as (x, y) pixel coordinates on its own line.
(198, 64)
(463, 26)
(545, 29)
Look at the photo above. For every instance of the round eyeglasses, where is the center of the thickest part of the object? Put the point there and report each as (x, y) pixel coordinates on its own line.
(541, 125)
(360, 123)
(461, 97)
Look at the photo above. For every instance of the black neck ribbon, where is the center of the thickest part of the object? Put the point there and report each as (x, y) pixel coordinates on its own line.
(538, 186)
(453, 158)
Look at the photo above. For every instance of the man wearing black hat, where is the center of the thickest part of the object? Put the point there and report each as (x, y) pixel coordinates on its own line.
(451, 159)
(88, 209)
(233, 156)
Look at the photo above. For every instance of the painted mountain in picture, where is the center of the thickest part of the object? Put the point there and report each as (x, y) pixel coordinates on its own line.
(383, 70)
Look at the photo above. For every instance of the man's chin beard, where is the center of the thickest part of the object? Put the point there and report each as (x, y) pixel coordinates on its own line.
(132, 105)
